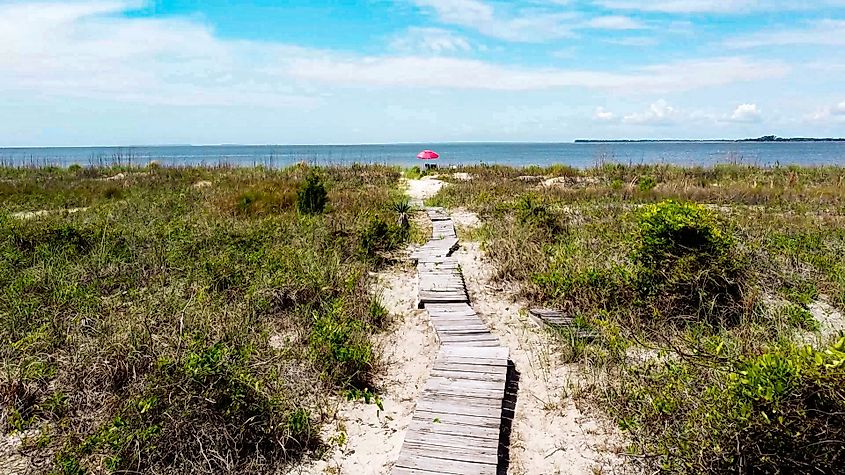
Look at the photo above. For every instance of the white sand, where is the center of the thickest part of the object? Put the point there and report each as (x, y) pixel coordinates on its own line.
(12, 462)
(423, 189)
(373, 441)
(45, 212)
(831, 321)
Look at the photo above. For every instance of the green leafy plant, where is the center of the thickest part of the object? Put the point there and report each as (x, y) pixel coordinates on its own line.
(312, 197)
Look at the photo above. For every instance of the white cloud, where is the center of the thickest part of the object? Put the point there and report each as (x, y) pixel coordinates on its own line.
(822, 33)
(602, 114)
(633, 41)
(614, 22)
(430, 40)
(90, 50)
(442, 72)
(659, 113)
(747, 113)
(520, 26)
(834, 113)
(718, 6)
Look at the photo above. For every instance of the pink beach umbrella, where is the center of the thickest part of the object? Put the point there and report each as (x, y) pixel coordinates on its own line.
(428, 155)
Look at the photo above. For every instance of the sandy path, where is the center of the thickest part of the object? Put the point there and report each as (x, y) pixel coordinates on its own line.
(422, 189)
(374, 438)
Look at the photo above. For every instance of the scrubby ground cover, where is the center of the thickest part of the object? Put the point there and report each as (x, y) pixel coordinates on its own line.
(191, 320)
(697, 285)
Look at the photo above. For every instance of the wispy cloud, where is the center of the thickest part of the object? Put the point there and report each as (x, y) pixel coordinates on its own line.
(455, 73)
(431, 40)
(718, 6)
(823, 33)
(614, 22)
(531, 25)
(833, 113)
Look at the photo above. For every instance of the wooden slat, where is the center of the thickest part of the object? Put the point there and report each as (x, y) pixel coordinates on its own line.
(450, 467)
(456, 426)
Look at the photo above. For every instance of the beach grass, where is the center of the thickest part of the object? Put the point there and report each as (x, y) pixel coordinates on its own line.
(701, 290)
(187, 320)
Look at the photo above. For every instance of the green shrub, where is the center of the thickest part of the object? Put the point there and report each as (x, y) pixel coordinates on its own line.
(340, 347)
(379, 237)
(312, 196)
(780, 412)
(689, 265)
(414, 173)
(533, 212)
(646, 183)
(208, 398)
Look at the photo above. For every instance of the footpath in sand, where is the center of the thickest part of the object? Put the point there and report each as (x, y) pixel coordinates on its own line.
(549, 434)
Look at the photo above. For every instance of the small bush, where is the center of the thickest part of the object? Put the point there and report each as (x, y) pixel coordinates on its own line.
(340, 347)
(533, 212)
(646, 183)
(312, 196)
(379, 237)
(689, 264)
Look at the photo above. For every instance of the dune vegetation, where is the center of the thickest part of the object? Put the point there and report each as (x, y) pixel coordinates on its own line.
(187, 320)
(707, 302)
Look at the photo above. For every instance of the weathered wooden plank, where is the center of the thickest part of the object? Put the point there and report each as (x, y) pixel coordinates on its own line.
(469, 368)
(449, 418)
(440, 382)
(448, 440)
(444, 428)
(450, 467)
(476, 454)
(496, 377)
(459, 407)
(496, 353)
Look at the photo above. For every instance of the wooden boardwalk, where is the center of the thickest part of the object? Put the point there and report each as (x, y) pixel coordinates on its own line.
(457, 423)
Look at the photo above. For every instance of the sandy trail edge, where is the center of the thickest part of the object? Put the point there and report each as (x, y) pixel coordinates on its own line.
(374, 438)
(550, 435)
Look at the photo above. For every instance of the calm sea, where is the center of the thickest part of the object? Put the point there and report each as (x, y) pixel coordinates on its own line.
(518, 154)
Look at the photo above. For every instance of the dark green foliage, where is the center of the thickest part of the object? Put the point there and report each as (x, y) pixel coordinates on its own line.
(532, 211)
(779, 412)
(380, 236)
(688, 264)
(312, 196)
(699, 311)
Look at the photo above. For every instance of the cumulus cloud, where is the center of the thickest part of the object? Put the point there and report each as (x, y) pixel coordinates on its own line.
(659, 113)
(748, 113)
(603, 114)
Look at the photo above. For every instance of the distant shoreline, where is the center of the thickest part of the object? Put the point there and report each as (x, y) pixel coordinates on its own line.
(765, 139)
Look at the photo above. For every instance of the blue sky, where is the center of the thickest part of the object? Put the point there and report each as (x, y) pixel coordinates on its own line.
(121, 72)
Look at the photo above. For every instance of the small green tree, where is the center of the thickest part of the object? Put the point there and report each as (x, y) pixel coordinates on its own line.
(312, 197)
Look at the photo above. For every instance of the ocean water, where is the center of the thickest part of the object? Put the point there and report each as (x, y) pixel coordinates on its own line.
(517, 154)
